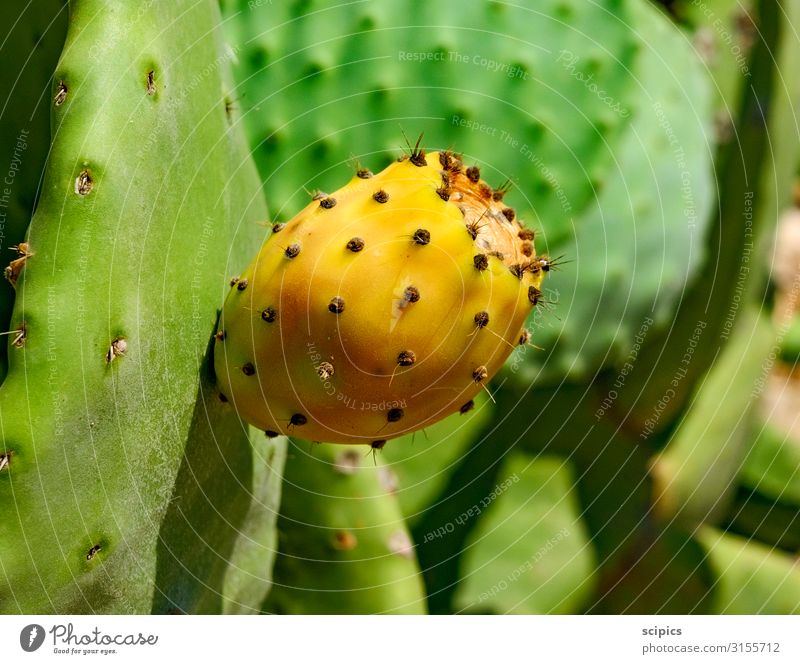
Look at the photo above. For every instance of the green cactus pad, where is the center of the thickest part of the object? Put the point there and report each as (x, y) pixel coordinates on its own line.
(751, 578)
(530, 552)
(772, 466)
(343, 545)
(695, 475)
(248, 578)
(32, 36)
(148, 200)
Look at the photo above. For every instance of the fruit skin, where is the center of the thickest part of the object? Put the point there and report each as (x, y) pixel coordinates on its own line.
(343, 547)
(147, 196)
(380, 308)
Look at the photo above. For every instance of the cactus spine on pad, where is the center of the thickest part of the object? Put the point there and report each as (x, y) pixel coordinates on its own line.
(147, 196)
(343, 546)
(381, 307)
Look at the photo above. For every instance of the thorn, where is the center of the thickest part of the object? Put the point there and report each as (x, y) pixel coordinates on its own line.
(421, 237)
(417, 155)
(61, 93)
(151, 86)
(406, 358)
(394, 371)
(480, 374)
(336, 305)
(473, 174)
(546, 263)
(355, 245)
(502, 190)
(505, 341)
(117, 349)
(376, 445)
(15, 266)
(480, 261)
(411, 294)
(298, 420)
(481, 319)
(84, 183)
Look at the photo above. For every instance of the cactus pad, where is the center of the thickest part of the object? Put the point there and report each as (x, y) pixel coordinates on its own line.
(343, 545)
(147, 195)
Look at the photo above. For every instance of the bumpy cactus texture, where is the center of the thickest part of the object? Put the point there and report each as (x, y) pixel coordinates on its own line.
(343, 544)
(108, 413)
(594, 132)
(382, 307)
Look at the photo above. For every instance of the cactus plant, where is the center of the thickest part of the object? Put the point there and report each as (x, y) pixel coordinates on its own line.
(530, 552)
(343, 546)
(32, 38)
(304, 347)
(751, 577)
(694, 474)
(626, 467)
(547, 104)
(147, 198)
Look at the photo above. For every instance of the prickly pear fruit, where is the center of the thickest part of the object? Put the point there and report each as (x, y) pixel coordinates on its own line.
(380, 308)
